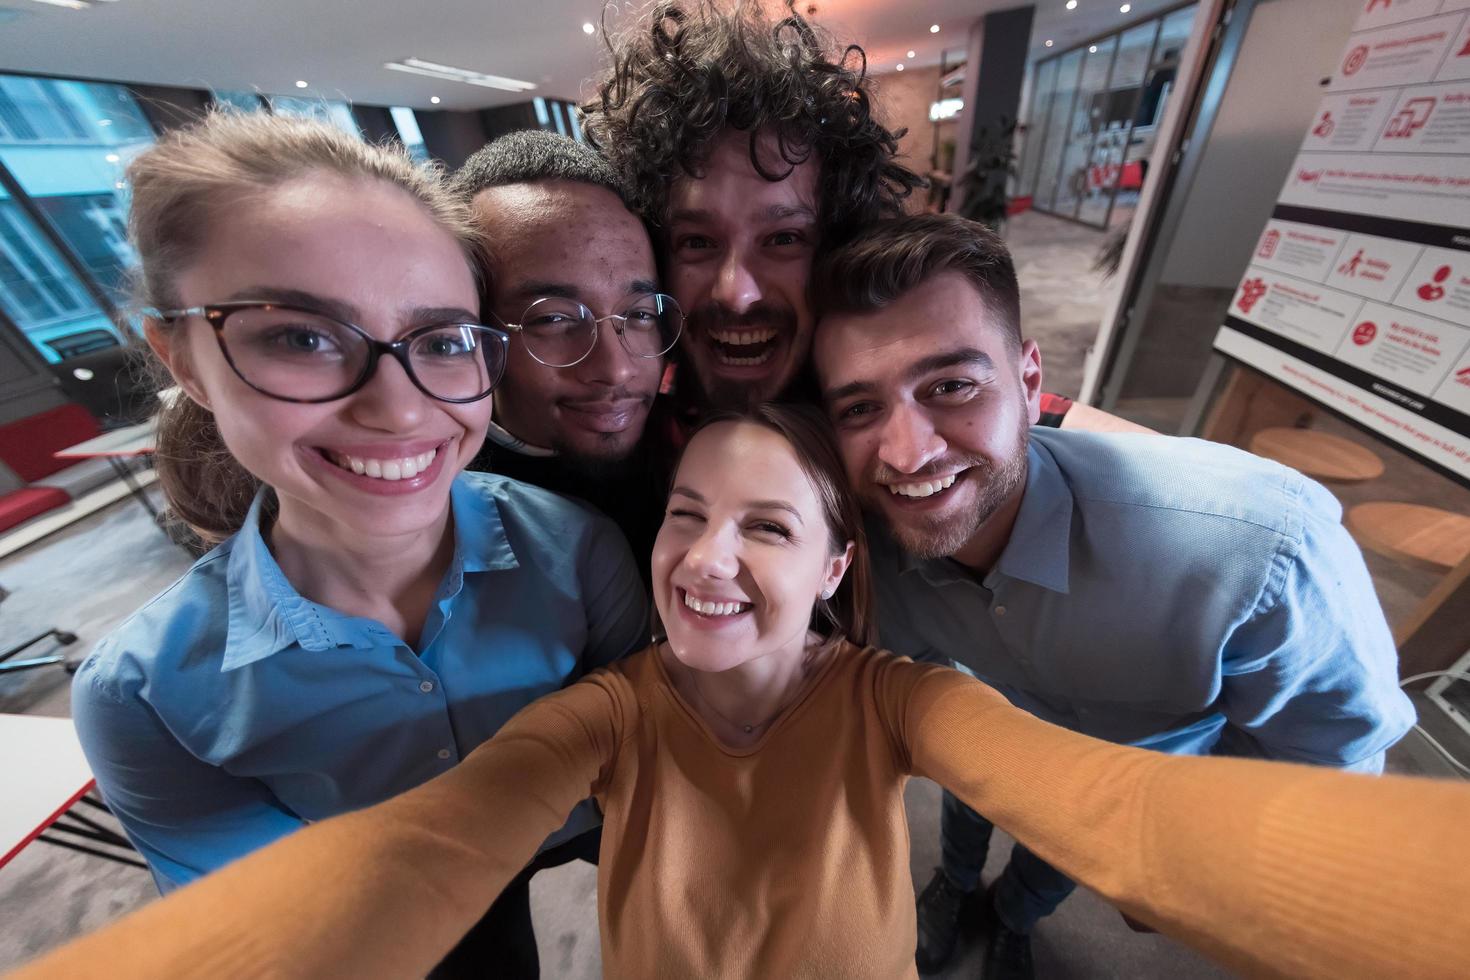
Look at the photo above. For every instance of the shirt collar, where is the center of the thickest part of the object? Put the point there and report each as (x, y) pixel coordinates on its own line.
(498, 435)
(267, 614)
(1037, 550)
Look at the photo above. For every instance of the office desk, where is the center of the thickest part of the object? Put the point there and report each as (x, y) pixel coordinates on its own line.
(119, 447)
(43, 774)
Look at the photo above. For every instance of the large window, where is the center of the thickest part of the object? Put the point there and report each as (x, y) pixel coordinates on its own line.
(64, 146)
(1095, 110)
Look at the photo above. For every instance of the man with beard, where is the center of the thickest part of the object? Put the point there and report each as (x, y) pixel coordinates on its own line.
(747, 145)
(572, 276)
(1168, 593)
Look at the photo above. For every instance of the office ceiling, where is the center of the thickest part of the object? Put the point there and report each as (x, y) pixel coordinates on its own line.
(339, 47)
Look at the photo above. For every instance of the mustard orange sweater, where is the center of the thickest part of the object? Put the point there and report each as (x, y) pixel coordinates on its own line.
(790, 859)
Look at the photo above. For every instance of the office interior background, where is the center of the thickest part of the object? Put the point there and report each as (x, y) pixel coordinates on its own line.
(1142, 149)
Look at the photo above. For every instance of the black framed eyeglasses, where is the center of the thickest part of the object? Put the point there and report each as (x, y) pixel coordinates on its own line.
(300, 355)
(562, 332)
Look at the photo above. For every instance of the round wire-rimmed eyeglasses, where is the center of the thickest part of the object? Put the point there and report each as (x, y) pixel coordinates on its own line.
(561, 333)
(300, 355)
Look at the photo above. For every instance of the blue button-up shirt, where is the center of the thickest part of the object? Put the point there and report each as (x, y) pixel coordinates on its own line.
(230, 710)
(1169, 593)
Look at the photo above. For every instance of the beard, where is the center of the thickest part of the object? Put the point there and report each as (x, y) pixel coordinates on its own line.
(940, 536)
(728, 394)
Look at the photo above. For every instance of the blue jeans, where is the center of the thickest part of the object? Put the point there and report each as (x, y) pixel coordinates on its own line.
(1028, 890)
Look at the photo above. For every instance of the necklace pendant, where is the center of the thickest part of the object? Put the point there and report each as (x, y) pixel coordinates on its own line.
(749, 729)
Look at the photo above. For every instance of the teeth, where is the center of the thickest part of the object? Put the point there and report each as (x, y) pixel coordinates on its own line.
(405, 468)
(765, 356)
(922, 489)
(743, 337)
(715, 608)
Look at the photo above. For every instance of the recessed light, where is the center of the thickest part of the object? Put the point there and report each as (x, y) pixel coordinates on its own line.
(589, 28)
(68, 4)
(1048, 42)
(1125, 8)
(300, 83)
(104, 122)
(119, 184)
(434, 100)
(900, 67)
(934, 28)
(112, 158)
(1092, 49)
(911, 54)
(1071, 4)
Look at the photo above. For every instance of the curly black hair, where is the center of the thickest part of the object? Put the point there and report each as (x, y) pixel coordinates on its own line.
(691, 70)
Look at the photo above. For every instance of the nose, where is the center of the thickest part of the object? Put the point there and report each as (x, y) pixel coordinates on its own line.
(608, 363)
(908, 440)
(713, 554)
(390, 401)
(735, 284)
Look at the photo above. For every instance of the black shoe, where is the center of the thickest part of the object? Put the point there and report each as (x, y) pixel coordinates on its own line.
(939, 908)
(1007, 954)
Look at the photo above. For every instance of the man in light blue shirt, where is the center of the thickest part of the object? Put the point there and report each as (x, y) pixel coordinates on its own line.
(1168, 593)
(212, 735)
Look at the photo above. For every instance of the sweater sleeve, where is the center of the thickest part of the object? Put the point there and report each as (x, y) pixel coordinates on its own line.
(1271, 868)
(385, 891)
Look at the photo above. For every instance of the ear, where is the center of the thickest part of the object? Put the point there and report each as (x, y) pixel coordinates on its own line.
(169, 345)
(1030, 369)
(836, 568)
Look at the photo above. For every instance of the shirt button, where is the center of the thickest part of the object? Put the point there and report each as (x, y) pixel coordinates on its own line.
(1000, 610)
(443, 753)
(426, 686)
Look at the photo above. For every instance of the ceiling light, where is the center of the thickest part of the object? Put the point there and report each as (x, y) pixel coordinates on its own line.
(434, 100)
(104, 122)
(1071, 4)
(416, 66)
(1125, 8)
(300, 83)
(1092, 49)
(68, 4)
(112, 158)
(934, 28)
(900, 66)
(1048, 42)
(911, 54)
(589, 28)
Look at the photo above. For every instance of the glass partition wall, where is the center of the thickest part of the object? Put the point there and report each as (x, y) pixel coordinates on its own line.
(1095, 112)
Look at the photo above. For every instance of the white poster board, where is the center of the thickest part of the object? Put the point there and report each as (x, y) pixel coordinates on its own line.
(1358, 293)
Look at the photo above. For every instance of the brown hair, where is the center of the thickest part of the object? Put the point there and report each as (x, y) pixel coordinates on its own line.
(689, 70)
(850, 613)
(889, 258)
(178, 185)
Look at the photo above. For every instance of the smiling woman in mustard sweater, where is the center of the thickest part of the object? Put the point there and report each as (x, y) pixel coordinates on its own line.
(751, 774)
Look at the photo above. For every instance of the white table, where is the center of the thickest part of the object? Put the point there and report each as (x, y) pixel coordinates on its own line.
(120, 447)
(43, 774)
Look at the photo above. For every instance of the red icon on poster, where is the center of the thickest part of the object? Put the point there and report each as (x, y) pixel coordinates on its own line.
(1364, 333)
(1410, 119)
(1355, 60)
(1462, 376)
(1375, 4)
(1433, 290)
(1465, 51)
(1250, 293)
(1324, 126)
(1350, 267)
(1308, 176)
(1269, 243)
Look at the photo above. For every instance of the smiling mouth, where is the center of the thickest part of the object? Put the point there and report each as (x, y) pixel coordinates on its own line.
(399, 468)
(714, 609)
(744, 348)
(919, 489)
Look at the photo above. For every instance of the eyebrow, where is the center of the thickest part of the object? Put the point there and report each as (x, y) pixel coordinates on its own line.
(569, 291)
(964, 357)
(771, 504)
(339, 310)
(776, 212)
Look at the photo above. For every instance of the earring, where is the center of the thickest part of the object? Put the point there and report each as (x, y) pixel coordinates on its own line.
(826, 594)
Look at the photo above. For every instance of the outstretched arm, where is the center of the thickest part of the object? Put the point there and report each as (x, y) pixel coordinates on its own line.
(386, 891)
(1270, 868)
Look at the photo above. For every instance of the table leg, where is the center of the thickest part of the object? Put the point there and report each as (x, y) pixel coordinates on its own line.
(120, 466)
